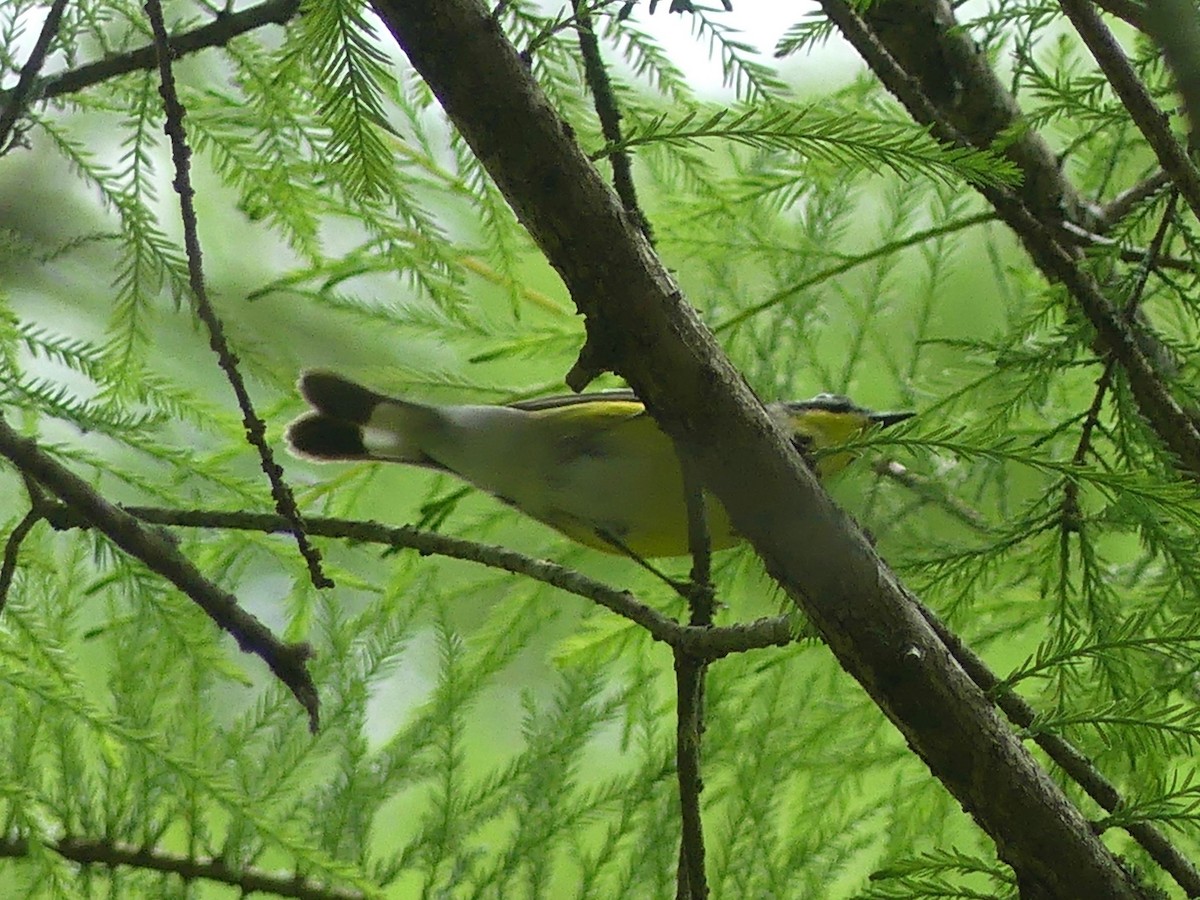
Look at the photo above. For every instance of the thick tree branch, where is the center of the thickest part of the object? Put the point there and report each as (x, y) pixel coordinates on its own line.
(159, 554)
(1071, 759)
(639, 325)
(1145, 113)
(948, 68)
(1058, 262)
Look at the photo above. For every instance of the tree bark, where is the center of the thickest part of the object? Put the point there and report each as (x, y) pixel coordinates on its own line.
(640, 327)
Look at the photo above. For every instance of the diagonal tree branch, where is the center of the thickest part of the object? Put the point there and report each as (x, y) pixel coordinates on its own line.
(639, 325)
(160, 555)
(1145, 113)
(223, 29)
(1057, 261)
(14, 103)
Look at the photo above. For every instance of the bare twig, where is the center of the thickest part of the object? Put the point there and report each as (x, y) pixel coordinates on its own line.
(12, 547)
(932, 493)
(691, 883)
(107, 854)
(1072, 519)
(23, 92)
(1073, 234)
(217, 33)
(159, 554)
(256, 429)
(852, 262)
(705, 643)
(690, 672)
(609, 114)
(700, 597)
(1121, 205)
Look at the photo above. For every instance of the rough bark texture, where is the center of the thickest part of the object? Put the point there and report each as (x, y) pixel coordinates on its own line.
(640, 326)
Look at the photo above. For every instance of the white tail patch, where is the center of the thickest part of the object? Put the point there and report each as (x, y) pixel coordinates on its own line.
(397, 430)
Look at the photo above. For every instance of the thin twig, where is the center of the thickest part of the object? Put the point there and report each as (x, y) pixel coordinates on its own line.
(1121, 205)
(609, 114)
(217, 33)
(1072, 519)
(682, 588)
(706, 643)
(700, 597)
(23, 92)
(1074, 234)
(12, 547)
(107, 854)
(931, 492)
(690, 673)
(852, 262)
(160, 555)
(689, 704)
(256, 429)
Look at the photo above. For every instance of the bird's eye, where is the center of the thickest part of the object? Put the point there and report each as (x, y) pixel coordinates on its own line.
(803, 444)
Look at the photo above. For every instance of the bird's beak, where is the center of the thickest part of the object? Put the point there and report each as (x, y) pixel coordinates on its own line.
(883, 420)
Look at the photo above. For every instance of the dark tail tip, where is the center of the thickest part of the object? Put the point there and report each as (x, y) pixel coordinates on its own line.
(883, 420)
(319, 437)
(338, 397)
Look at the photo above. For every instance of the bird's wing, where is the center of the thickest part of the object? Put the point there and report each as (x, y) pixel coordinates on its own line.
(622, 401)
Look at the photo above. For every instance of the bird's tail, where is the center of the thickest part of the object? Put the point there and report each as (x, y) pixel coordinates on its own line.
(349, 421)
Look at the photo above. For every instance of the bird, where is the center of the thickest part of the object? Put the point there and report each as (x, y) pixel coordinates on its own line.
(594, 466)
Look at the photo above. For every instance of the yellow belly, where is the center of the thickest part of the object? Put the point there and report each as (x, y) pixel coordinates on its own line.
(618, 480)
(649, 530)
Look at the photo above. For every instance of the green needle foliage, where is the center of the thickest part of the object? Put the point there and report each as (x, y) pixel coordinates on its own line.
(483, 734)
